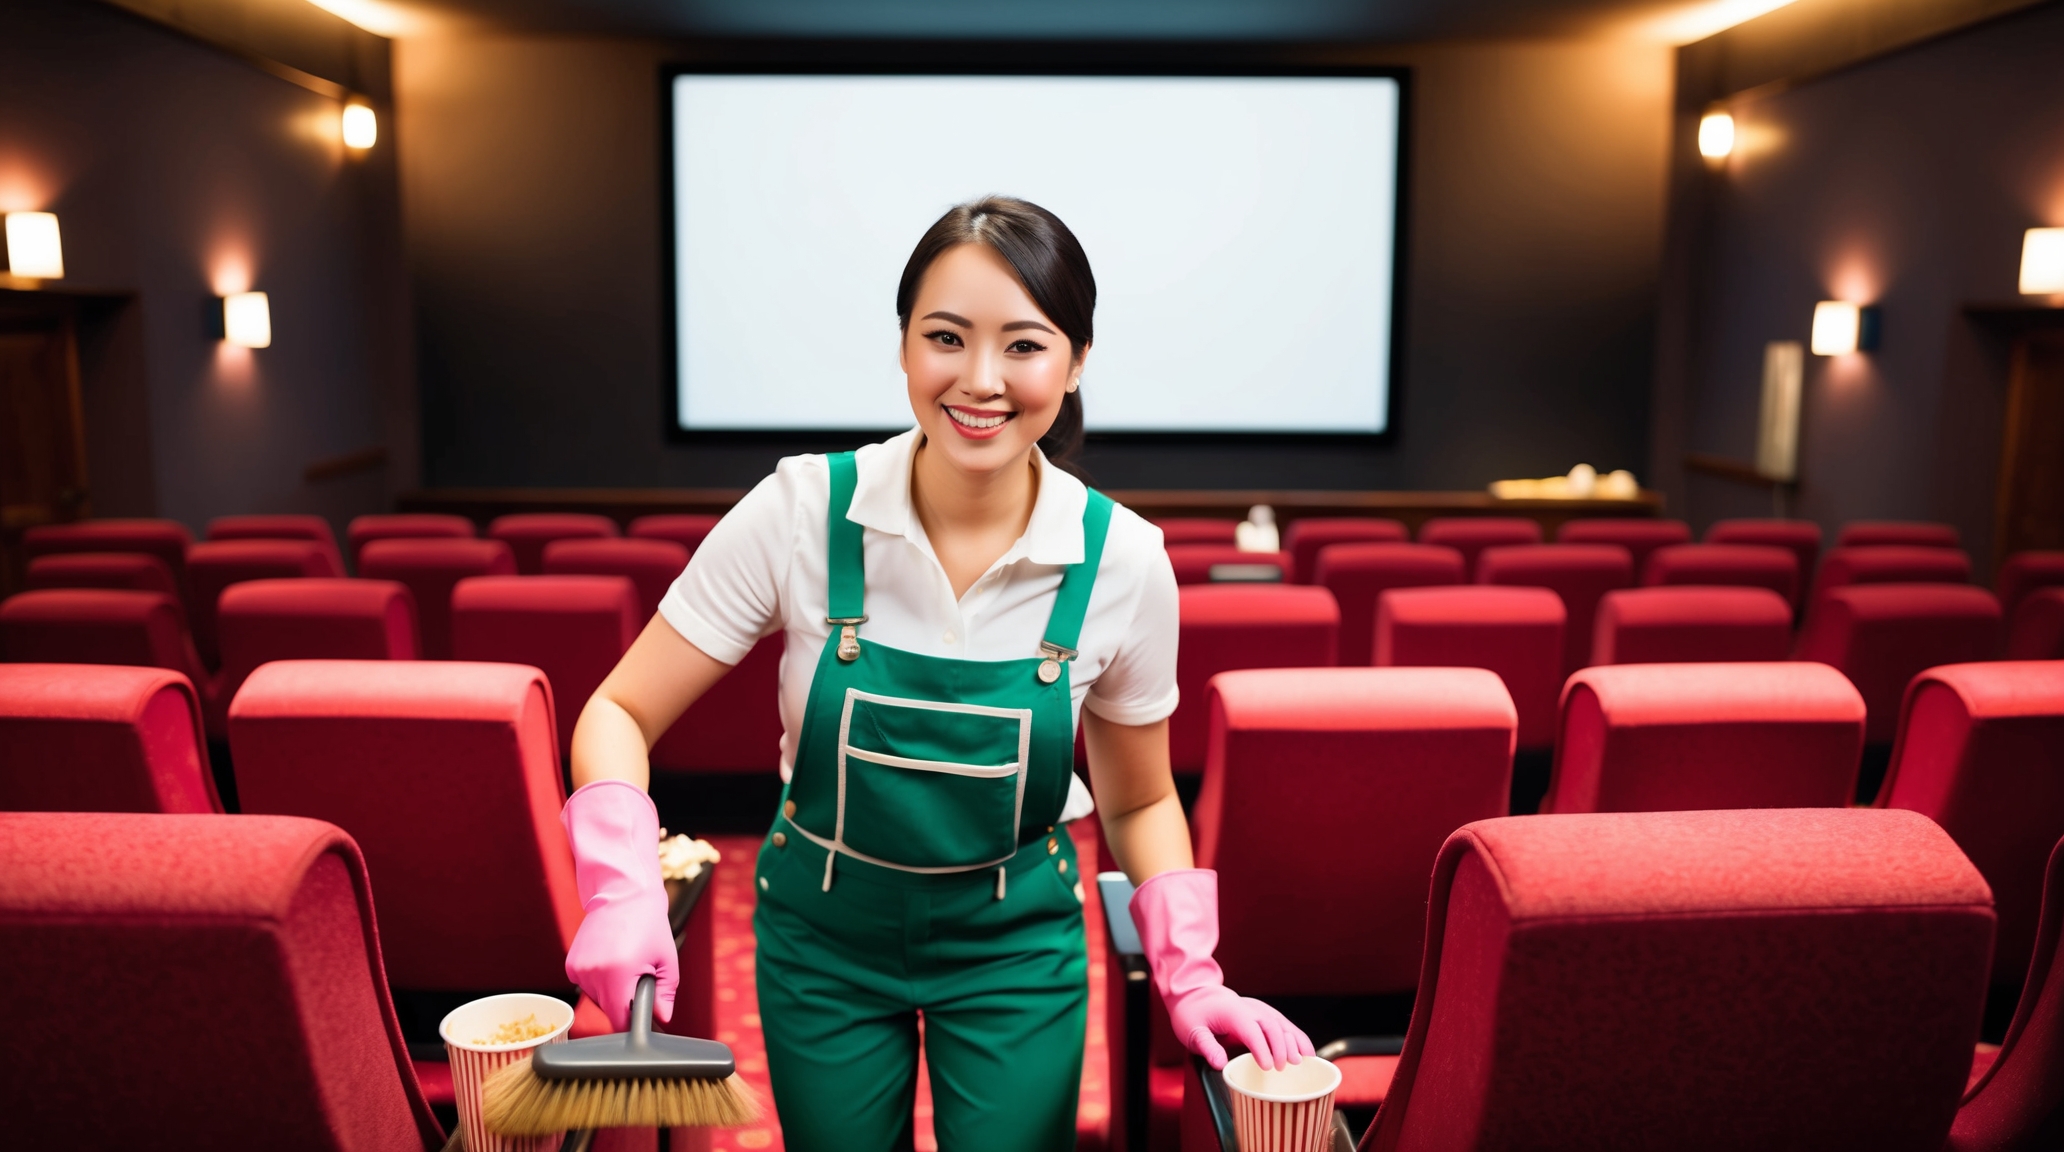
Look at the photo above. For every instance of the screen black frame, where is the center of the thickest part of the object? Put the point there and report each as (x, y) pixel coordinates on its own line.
(955, 58)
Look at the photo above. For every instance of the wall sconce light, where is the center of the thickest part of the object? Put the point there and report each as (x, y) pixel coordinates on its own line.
(34, 251)
(361, 127)
(247, 320)
(1716, 135)
(1840, 327)
(2042, 261)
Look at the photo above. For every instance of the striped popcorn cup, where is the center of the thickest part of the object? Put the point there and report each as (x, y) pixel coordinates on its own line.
(1287, 1110)
(473, 1060)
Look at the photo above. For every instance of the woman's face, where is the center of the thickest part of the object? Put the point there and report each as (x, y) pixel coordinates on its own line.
(987, 369)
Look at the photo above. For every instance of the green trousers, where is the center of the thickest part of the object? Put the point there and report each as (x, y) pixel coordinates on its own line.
(1003, 986)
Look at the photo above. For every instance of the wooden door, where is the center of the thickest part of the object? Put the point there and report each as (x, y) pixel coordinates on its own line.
(2031, 501)
(42, 436)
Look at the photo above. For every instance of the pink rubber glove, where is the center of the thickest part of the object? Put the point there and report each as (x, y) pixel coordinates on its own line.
(614, 830)
(1177, 916)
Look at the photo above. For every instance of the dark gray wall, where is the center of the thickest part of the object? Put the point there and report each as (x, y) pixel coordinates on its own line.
(177, 170)
(531, 179)
(1906, 181)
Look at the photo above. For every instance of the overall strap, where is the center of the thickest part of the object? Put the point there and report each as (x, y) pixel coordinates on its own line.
(1071, 602)
(846, 585)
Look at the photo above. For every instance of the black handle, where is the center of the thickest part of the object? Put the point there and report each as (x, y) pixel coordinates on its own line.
(641, 1010)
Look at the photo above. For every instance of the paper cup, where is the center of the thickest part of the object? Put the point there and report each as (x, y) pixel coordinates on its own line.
(472, 1063)
(1287, 1110)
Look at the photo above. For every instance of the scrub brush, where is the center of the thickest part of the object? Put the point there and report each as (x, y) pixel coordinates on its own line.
(635, 1079)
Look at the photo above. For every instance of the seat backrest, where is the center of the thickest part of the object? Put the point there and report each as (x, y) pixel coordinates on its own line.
(1357, 574)
(101, 738)
(1307, 535)
(1883, 635)
(1578, 573)
(2017, 1105)
(527, 533)
(2037, 632)
(278, 527)
(135, 571)
(1401, 757)
(2025, 572)
(683, 528)
(1917, 533)
(1731, 565)
(1783, 979)
(1639, 535)
(214, 565)
(98, 626)
(1801, 537)
(1193, 562)
(165, 539)
(1228, 626)
(363, 530)
(313, 619)
(431, 567)
(651, 565)
(1698, 624)
(1981, 752)
(573, 628)
(1515, 632)
(1196, 529)
(447, 776)
(197, 982)
(1470, 535)
(1891, 564)
(1672, 737)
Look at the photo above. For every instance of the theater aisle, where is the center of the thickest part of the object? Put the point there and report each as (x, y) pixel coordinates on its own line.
(738, 1012)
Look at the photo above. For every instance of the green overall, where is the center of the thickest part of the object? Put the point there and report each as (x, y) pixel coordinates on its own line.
(916, 867)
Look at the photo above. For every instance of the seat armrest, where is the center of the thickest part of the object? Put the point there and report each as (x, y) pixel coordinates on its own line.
(1218, 1102)
(1363, 1046)
(1115, 892)
(683, 896)
(1132, 1046)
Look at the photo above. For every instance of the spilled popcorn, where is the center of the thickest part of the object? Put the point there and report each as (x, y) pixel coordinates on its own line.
(682, 857)
(517, 1031)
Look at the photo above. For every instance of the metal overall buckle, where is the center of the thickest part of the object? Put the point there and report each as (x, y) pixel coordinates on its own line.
(1050, 668)
(849, 635)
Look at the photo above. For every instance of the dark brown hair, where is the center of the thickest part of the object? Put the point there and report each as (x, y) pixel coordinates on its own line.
(1050, 264)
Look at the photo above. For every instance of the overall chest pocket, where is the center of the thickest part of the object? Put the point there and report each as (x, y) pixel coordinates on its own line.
(933, 785)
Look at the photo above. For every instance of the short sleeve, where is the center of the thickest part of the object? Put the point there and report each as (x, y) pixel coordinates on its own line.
(730, 594)
(1138, 685)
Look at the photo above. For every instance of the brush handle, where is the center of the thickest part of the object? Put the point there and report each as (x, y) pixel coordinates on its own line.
(641, 1010)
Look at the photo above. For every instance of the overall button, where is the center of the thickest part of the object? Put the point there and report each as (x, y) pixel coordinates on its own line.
(1052, 845)
(948, 637)
(1063, 865)
(788, 809)
(781, 841)
(763, 883)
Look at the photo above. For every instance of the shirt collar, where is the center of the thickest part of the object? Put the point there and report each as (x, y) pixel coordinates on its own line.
(881, 501)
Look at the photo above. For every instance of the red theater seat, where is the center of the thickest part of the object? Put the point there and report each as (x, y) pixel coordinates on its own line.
(1304, 539)
(318, 619)
(1229, 626)
(165, 539)
(1670, 737)
(1357, 574)
(1579, 573)
(99, 626)
(2016, 1102)
(527, 533)
(1981, 752)
(430, 568)
(1800, 537)
(573, 628)
(1913, 533)
(447, 776)
(404, 526)
(1196, 530)
(1727, 565)
(682, 528)
(214, 565)
(736, 726)
(134, 571)
(1640, 536)
(1799, 979)
(1883, 635)
(232, 963)
(1470, 535)
(1193, 563)
(2026, 572)
(284, 527)
(651, 565)
(1691, 624)
(1515, 632)
(1890, 564)
(2037, 632)
(95, 738)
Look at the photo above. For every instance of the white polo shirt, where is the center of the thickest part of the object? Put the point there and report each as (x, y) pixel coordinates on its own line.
(762, 569)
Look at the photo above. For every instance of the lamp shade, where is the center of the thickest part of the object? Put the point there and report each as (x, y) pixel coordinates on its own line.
(2042, 260)
(247, 319)
(361, 127)
(33, 247)
(1716, 135)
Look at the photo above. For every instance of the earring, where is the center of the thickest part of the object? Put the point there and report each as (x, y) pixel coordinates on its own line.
(1074, 384)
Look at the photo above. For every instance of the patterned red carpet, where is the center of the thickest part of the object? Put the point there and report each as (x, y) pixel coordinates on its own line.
(738, 1009)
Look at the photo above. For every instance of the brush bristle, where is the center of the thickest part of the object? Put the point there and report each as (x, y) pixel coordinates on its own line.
(515, 1102)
